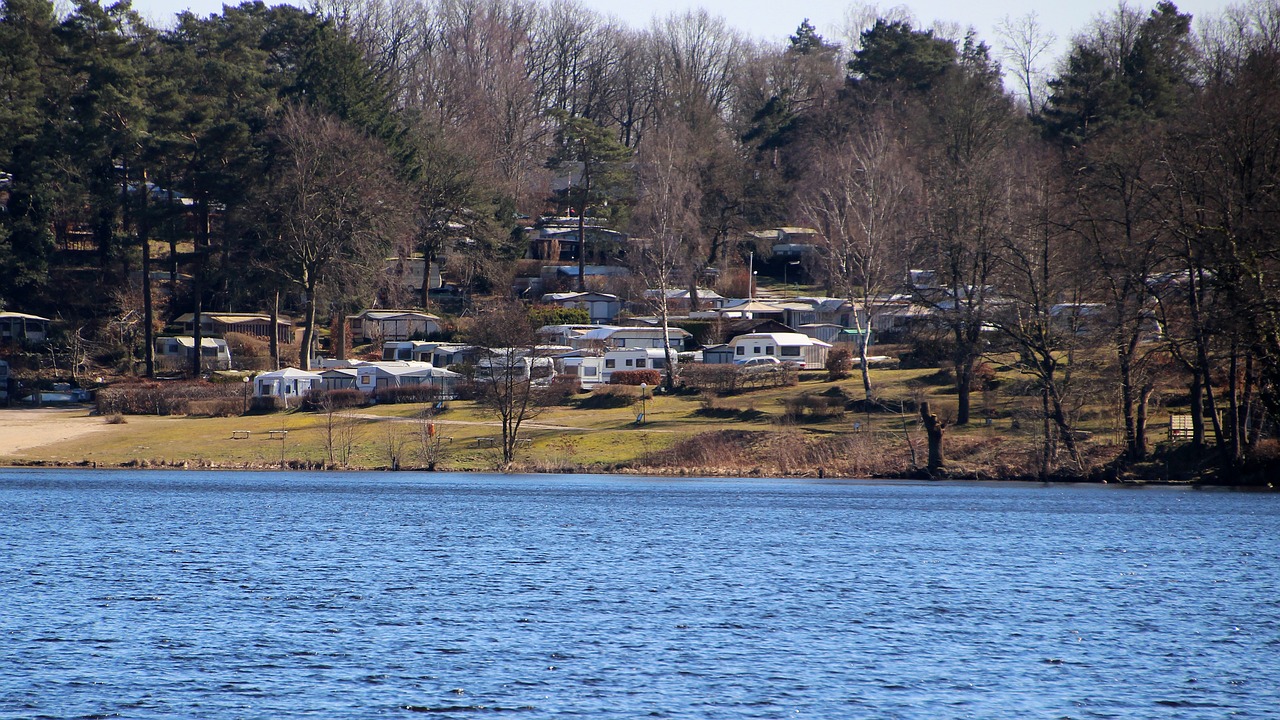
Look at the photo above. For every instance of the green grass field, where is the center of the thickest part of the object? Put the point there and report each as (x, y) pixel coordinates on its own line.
(567, 437)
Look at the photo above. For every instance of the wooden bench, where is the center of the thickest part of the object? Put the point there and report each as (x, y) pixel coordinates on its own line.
(486, 442)
(278, 434)
(239, 434)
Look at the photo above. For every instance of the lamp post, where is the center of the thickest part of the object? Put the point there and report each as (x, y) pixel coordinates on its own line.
(791, 263)
(644, 402)
(246, 395)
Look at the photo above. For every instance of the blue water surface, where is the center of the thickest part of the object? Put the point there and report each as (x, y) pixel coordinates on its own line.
(284, 595)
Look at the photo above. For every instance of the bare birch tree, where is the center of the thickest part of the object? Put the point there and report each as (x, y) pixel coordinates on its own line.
(858, 195)
(667, 218)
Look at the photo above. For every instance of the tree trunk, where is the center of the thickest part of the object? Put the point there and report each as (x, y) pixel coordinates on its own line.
(274, 342)
(1197, 411)
(148, 312)
(933, 428)
(308, 327)
(964, 383)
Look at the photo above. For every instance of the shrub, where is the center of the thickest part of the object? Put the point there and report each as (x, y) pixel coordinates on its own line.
(319, 400)
(115, 419)
(635, 377)
(562, 388)
(839, 364)
(984, 377)
(406, 394)
(606, 397)
(249, 352)
(540, 315)
(710, 378)
(171, 398)
(813, 408)
(218, 407)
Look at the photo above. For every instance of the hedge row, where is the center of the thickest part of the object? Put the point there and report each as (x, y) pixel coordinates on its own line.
(171, 398)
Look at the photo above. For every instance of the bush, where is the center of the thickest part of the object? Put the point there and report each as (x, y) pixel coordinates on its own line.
(652, 378)
(249, 352)
(218, 407)
(813, 408)
(540, 315)
(721, 379)
(406, 394)
(172, 398)
(562, 388)
(927, 353)
(606, 397)
(320, 400)
(839, 364)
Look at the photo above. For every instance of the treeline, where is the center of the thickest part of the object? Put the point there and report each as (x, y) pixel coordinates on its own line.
(1121, 208)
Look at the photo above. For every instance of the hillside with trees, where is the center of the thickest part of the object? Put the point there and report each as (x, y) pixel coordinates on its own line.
(1115, 216)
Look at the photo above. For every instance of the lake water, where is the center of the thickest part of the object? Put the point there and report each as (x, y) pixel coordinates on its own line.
(398, 595)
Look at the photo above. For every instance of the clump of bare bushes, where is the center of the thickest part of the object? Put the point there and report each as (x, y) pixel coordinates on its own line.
(788, 453)
(393, 395)
(249, 352)
(339, 399)
(171, 398)
(605, 397)
(813, 408)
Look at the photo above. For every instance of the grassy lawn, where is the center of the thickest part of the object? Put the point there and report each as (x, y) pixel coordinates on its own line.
(562, 436)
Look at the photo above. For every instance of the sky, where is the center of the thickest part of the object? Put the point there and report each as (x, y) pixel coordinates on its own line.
(776, 19)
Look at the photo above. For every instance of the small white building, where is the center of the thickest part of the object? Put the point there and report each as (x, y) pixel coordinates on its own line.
(419, 350)
(369, 325)
(607, 337)
(600, 307)
(809, 353)
(175, 352)
(21, 327)
(289, 384)
(374, 376)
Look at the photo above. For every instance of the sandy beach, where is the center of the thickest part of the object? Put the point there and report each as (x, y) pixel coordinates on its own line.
(26, 428)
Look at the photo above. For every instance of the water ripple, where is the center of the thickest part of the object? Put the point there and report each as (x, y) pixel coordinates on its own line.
(264, 596)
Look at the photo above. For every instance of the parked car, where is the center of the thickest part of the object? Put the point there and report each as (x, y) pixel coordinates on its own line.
(761, 361)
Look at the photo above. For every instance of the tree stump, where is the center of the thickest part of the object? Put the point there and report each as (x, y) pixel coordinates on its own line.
(933, 428)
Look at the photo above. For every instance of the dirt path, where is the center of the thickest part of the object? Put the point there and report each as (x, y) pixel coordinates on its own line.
(26, 428)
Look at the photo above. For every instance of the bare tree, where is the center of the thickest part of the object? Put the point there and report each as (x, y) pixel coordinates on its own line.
(858, 195)
(965, 200)
(341, 433)
(667, 218)
(506, 376)
(1042, 284)
(429, 446)
(1025, 45)
(333, 208)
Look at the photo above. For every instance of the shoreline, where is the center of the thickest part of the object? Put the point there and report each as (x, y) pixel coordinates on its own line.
(23, 430)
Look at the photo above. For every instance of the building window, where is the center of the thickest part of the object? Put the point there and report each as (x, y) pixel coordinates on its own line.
(629, 363)
(610, 363)
(742, 350)
(640, 363)
(768, 350)
(790, 351)
(756, 349)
